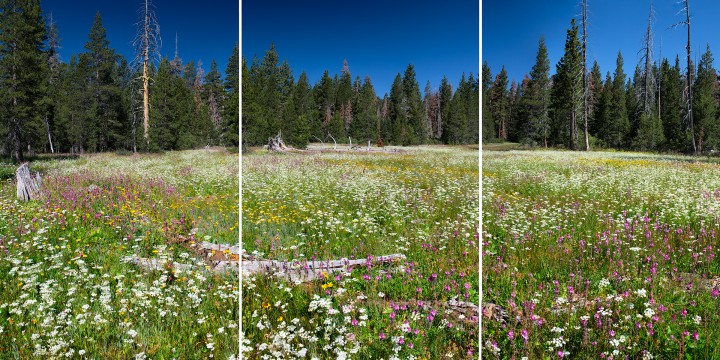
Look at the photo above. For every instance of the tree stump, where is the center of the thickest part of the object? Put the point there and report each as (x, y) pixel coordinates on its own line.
(28, 187)
(276, 143)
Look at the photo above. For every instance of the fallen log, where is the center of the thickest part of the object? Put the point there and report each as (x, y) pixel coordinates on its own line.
(152, 264)
(310, 270)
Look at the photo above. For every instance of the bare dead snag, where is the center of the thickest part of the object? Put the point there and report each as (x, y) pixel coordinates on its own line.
(28, 187)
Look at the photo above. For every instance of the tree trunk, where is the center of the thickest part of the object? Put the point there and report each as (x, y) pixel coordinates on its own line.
(47, 126)
(146, 100)
(689, 80)
(585, 85)
(573, 125)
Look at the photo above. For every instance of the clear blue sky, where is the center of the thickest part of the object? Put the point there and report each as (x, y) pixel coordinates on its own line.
(378, 38)
(206, 29)
(511, 31)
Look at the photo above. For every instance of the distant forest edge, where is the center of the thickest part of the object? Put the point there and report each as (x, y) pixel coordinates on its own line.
(346, 110)
(90, 104)
(652, 110)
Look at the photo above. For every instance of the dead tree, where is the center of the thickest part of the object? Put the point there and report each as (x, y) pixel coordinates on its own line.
(686, 9)
(647, 93)
(147, 45)
(585, 74)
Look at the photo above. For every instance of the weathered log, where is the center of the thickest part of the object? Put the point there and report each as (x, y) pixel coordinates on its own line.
(310, 270)
(28, 187)
(151, 264)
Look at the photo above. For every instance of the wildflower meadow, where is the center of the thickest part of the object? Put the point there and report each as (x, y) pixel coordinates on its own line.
(421, 203)
(603, 255)
(70, 289)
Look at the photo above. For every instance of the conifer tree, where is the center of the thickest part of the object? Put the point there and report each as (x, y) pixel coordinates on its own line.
(536, 100)
(303, 113)
(106, 131)
(214, 98)
(595, 87)
(416, 126)
(324, 95)
(397, 104)
(366, 115)
(488, 123)
(618, 124)
(231, 111)
(671, 107)
(499, 103)
(705, 91)
(567, 90)
(23, 73)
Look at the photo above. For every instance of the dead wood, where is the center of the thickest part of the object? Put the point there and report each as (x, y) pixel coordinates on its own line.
(276, 143)
(28, 186)
(310, 270)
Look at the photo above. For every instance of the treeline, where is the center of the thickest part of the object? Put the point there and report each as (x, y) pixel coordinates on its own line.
(646, 110)
(347, 109)
(92, 102)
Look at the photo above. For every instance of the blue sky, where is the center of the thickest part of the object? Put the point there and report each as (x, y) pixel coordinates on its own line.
(511, 31)
(206, 29)
(378, 38)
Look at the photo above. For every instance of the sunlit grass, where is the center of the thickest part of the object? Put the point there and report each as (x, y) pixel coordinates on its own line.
(422, 203)
(69, 291)
(600, 255)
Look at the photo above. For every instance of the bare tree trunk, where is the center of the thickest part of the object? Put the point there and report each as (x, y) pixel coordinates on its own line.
(573, 125)
(47, 126)
(585, 83)
(689, 76)
(146, 100)
(147, 42)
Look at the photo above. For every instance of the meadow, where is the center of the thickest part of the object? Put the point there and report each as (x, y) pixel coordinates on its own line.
(420, 202)
(70, 289)
(600, 255)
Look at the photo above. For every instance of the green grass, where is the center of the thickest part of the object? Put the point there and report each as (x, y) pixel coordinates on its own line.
(600, 255)
(421, 203)
(68, 289)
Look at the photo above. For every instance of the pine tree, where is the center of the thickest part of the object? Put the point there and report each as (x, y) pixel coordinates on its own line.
(23, 73)
(231, 111)
(366, 118)
(472, 129)
(416, 128)
(488, 123)
(106, 131)
(535, 101)
(567, 90)
(618, 124)
(397, 105)
(249, 105)
(705, 91)
(343, 105)
(324, 95)
(214, 97)
(671, 107)
(602, 112)
(456, 126)
(445, 100)
(304, 112)
(633, 104)
(514, 123)
(499, 103)
(54, 82)
(595, 87)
